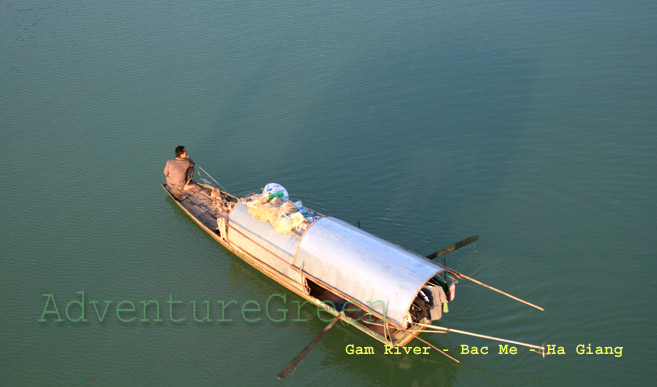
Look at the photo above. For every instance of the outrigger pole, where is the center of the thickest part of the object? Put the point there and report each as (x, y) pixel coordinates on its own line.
(433, 346)
(459, 275)
(540, 349)
(466, 242)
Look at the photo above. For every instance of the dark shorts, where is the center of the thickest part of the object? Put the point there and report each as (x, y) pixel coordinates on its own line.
(189, 174)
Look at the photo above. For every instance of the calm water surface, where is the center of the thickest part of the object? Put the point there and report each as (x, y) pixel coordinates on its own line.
(531, 124)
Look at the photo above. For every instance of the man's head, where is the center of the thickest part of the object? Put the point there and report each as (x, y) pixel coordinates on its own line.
(180, 150)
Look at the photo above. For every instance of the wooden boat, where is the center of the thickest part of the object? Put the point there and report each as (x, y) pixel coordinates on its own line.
(330, 262)
(327, 262)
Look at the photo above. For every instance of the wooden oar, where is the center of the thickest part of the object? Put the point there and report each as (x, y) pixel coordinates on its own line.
(453, 247)
(297, 359)
(448, 330)
(459, 275)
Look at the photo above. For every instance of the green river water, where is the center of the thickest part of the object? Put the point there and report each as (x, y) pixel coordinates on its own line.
(529, 123)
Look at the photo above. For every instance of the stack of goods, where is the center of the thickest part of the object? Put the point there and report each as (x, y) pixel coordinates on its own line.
(273, 206)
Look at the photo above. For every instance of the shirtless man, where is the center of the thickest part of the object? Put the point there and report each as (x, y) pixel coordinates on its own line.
(179, 171)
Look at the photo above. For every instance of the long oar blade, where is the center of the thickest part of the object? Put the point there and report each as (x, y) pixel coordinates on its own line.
(453, 247)
(297, 359)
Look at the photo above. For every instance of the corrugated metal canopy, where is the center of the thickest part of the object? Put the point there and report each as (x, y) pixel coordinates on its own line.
(371, 270)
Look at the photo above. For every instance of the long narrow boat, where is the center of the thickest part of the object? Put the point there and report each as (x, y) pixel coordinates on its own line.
(327, 262)
(391, 293)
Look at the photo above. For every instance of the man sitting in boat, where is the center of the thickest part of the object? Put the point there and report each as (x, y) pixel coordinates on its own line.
(179, 172)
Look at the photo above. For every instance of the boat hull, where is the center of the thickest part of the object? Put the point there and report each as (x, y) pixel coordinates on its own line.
(292, 278)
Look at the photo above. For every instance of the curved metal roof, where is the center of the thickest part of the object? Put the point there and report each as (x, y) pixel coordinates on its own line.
(373, 271)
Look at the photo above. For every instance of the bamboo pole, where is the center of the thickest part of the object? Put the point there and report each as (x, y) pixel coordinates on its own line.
(206, 172)
(494, 289)
(448, 330)
(434, 347)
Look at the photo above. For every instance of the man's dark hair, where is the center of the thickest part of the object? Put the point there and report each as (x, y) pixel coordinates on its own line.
(180, 150)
